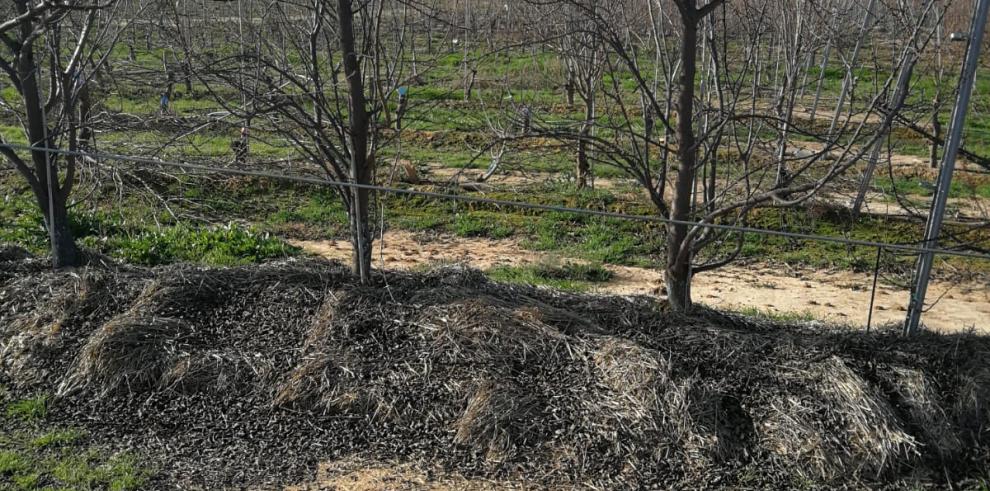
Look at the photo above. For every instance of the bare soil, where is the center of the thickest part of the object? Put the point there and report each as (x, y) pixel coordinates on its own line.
(358, 475)
(835, 296)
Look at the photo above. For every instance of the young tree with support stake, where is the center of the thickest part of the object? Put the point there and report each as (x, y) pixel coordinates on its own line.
(50, 55)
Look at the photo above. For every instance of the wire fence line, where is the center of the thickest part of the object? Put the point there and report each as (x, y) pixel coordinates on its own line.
(906, 248)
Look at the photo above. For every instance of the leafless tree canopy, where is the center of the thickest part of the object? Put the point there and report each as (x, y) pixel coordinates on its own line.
(52, 53)
(724, 88)
(715, 107)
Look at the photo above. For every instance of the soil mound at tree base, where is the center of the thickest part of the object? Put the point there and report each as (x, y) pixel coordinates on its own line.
(255, 375)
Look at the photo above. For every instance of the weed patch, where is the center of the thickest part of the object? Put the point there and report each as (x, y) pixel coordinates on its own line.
(475, 225)
(38, 455)
(229, 245)
(58, 438)
(566, 276)
(31, 409)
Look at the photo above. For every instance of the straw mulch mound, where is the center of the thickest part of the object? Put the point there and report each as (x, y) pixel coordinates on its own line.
(254, 375)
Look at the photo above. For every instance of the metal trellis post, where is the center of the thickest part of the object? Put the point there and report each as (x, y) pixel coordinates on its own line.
(935, 217)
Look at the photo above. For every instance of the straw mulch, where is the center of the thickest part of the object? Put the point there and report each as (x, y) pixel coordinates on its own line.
(253, 375)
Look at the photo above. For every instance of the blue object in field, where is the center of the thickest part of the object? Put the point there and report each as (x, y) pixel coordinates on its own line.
(403, 91)
(164, 101)
(77, 79)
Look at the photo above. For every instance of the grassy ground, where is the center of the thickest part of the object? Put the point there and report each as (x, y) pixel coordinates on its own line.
(37, 452)
(562, 276)
(236, 221)
(255, 213)
(125, 234)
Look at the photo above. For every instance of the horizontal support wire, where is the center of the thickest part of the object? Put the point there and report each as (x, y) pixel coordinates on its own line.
(515, 204)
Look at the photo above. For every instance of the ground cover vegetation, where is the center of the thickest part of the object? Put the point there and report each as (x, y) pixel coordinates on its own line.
(463, 102)
(817, 117)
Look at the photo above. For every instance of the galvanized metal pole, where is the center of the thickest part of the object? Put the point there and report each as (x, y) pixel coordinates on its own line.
(934, 226)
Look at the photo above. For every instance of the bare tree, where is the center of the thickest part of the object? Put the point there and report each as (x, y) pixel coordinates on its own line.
(723, 105)
(51, 53)
(585, 58)
(332, 103)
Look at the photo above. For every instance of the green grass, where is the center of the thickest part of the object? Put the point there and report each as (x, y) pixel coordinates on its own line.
(30, 409)
(221, 246)
(58, 438)
(592, 273)
(37, 453)
(142, 243)
(13, 134)
(12, 463)
(314, 208)
(915, 186)
(418, 221)
(211, 144)
(837, 223)
(69, 467)
(783, 317)
(91, 469)
(271, 208)
(607, 240)
(481, 224)
(568, 276)
(595, 239)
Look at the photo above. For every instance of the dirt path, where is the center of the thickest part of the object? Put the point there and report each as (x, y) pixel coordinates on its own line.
(834, 296)
(371, 476)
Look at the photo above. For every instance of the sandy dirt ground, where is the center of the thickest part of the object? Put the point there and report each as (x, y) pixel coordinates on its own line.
(837, 296)
(348, 476)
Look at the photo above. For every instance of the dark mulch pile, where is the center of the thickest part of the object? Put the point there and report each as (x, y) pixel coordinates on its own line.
(253, 375)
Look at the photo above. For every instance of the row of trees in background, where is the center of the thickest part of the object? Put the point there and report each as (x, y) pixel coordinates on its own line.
(700, 101)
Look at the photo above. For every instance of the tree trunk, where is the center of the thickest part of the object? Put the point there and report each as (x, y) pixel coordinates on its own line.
(897, 100)
(678, 273)
(821, 80)
(85, 112)
(849, 79)
(469, 82)
(187, 73)
(569, 88)
(44, 182)
(360, 161)
(65, 253)
(665, 150)
(649, 125)
(787, 100)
